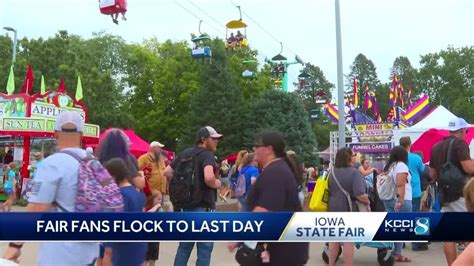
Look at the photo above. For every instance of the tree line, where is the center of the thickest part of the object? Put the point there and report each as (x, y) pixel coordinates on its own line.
(158, 90)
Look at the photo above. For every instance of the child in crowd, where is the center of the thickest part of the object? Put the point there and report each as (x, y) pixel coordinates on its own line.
(153, 204)
(129, 254)
(10, 187)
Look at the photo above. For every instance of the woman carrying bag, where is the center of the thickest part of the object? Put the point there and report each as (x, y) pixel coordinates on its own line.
(346, 193)
(397, 170)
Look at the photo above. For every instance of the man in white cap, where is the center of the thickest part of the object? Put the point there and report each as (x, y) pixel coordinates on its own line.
(152, 164)
(56, 181)
(450, 190)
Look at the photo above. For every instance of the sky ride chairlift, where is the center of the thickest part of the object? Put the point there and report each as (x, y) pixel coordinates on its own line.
(200, 50)
(113, 8)
(239, 40)
(278, 64)
(279, 67)
(303, 80)
(250, 69)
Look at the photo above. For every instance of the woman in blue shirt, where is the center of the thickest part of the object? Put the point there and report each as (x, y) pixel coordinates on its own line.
(250, 171)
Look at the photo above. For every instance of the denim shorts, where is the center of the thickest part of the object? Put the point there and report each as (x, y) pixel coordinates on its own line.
(9, 191)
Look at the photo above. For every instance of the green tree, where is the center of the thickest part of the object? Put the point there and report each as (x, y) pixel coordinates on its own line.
(408, 75)
(382, 95)
(284, 112)
(364, 71)
(322, 130)
(251, 87)
(97, 61)
(448, 78)
(6, 54)
(218, 103)
(163, 78)
(316, 81)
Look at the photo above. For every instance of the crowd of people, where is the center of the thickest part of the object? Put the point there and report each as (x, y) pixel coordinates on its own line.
(418, 188)
(269, 178)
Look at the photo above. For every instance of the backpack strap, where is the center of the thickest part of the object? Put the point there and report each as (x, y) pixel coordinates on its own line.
(450, 147)
(72, 154)
(348, 196)
(77, 158)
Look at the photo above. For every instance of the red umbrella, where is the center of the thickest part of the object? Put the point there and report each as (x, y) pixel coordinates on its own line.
(231, 158)
(431, 137)
(138, 145)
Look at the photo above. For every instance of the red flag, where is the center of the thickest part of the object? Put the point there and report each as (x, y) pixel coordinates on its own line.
(27, 86)
(62, 88)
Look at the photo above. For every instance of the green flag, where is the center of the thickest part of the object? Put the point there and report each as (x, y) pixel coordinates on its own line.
(11, 82)
(43, 86)
(79, 89)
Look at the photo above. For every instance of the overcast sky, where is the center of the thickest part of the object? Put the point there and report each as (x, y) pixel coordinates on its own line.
(380, 29)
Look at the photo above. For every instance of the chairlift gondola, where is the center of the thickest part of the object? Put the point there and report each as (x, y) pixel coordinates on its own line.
(303, 80)
(315, 114)
(278, 63)
(113, 8)
(239, 40)
(200, 50)
(250, 71)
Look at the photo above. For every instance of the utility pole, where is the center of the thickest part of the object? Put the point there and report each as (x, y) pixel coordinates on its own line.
(340, 81)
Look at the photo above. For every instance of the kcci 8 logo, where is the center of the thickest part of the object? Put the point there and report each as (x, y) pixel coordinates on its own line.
(422, 226)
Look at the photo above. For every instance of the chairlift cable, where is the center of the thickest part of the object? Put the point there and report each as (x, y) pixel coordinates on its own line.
(264, 30)
(207, 14)
(197, 17)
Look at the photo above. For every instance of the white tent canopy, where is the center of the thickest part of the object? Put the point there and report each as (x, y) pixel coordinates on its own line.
(438, 118)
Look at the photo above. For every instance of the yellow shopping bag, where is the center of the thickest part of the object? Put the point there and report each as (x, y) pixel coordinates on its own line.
(319, 199)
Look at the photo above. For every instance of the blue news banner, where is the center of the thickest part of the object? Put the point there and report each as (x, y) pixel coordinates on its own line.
(226, 226)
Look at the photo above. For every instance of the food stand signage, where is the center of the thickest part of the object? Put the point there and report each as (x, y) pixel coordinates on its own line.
(374, 147)
(374, 132)
(41, 125)
(46, 110)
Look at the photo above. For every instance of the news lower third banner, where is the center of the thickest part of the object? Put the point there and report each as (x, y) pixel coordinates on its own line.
(227, 226)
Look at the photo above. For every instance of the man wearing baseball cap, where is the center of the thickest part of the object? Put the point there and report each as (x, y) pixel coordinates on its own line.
(456, 147)
(152, 164)
(206, 142)
(56, 181)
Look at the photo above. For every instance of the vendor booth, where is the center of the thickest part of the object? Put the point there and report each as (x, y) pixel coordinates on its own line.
(27, 124)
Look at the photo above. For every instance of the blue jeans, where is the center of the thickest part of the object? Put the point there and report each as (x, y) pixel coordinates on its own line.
(243, 204)
(416, 208)
(204, 249)
(416, 204)
(390, 207)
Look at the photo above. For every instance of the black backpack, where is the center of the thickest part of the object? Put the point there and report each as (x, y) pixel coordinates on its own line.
(186, 186)
(451, 180)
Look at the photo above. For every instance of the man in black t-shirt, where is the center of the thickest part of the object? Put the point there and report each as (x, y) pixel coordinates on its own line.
(206, 142)
(461, 158)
